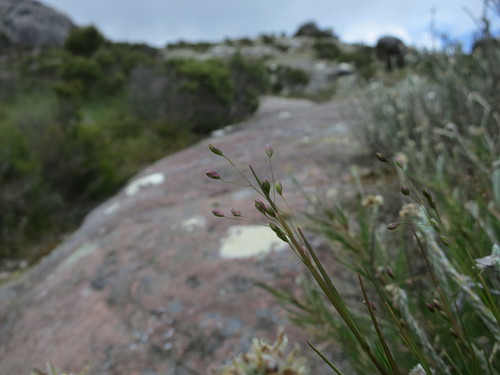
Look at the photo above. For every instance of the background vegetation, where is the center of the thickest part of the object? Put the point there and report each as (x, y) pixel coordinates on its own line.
(77, 122)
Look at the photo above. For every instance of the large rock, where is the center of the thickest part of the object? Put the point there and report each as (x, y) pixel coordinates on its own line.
(152, 283)
(30, 24)
(310, 29)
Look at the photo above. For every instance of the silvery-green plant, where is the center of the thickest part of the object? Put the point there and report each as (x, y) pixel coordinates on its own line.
(446, 321)
(265, 358)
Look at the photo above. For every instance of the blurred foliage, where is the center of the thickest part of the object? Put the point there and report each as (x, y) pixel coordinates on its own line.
(77, 122)
(196, 46)
(84, 41)
(327, 49)
(362, 59)
(288, 79)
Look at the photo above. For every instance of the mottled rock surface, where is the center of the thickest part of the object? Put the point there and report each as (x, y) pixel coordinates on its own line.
(142, 288)
(28, 23)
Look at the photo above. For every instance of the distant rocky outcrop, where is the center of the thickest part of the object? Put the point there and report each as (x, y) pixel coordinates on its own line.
(30, 24)
(310, 29)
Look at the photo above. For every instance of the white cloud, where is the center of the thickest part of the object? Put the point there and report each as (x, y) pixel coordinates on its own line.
(369, 32)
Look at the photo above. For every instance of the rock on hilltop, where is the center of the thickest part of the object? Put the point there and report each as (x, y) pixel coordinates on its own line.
(28, 23)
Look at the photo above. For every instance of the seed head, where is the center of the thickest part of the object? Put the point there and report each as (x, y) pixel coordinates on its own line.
(409, 209)
(213, 175)
(381, 157)
(279, 232)
(269, 151)
(445, 240)
(403, 324)
(405, 190)
(393, 225)
(235, 212)
(370, 305)
(215, 150)
(431, 307)
(390, 272)
(260, 206)
(372, 200)
(454, 334)
(436, 304)
(270, 211)
(218, 213)
(434, 224)
(444, 316)
(279, 188)
(428, 196)
(266, 186)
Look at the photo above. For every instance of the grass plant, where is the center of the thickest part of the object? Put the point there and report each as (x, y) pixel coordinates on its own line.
(428, 281)
(442, 319)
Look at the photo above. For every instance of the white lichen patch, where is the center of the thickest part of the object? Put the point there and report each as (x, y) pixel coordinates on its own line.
(245, 241)
(111, 208)
(153, 179)
(284, 115)
(193, 223)
(80, 253)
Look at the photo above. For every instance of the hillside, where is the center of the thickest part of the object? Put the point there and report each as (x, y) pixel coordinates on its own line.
(30, 24)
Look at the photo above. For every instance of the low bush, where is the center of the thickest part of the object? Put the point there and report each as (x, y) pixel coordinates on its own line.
(326, 49)
(363, 59)
(198, 47)
(200, 95)
(250, 81)
(82, 69)
(84, 41)
(289, 79)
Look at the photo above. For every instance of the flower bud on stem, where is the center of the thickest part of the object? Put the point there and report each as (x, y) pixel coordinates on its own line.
(215, 150)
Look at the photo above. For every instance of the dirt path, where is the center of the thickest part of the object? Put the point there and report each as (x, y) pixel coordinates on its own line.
(144, 286)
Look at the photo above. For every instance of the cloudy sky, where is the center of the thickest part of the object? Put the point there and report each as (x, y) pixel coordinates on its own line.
(158, 22)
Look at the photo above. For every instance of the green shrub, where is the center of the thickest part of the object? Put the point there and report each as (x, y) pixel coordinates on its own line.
(148, 93)
(244, 42)
(110, 84)
(203, 93)
(80, 68)
(268, 39)
(211, 75)
(84, 41)
(362, 58)
(198, 47)
(326, 49)
(250, 80)
(105, 58)
(5, 42)
(289, 78)
(130, 56)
